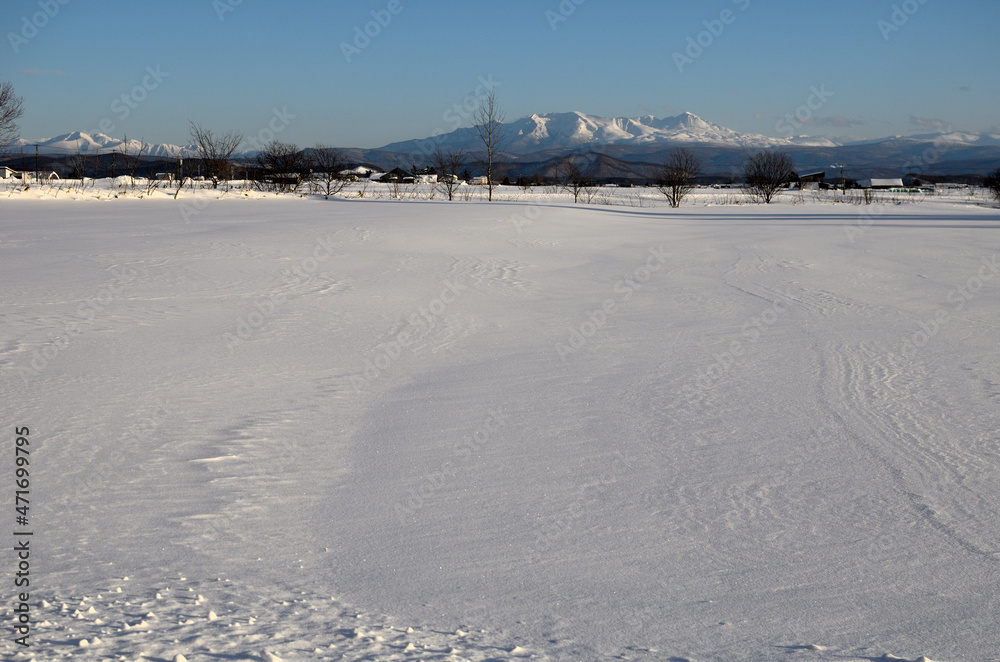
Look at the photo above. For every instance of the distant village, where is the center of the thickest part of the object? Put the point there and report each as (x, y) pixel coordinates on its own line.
(54, 168)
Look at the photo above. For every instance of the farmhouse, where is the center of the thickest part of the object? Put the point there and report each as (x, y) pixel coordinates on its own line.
(881, 183)
(398, 175)
(357, 173)
(811, 180)
(10, 173)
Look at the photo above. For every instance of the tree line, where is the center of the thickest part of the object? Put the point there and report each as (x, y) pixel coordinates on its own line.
(281, 166)
(278, 166)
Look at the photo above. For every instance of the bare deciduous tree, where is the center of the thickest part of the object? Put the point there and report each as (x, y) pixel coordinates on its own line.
(448, 164)
(282, 166)
(488, 119)
(79, 161)
(765, 173)
(11, 109)
(992, 183)
(328, 163)
(574, 179)
(131, 157)
(216, 151)
(675, 178)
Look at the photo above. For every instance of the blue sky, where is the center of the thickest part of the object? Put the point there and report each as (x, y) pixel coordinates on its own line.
(146, 68)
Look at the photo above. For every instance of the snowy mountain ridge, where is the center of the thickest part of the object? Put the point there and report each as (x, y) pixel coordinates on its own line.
(537, 133)
(572, 129)
(541, 132)
(89, 144)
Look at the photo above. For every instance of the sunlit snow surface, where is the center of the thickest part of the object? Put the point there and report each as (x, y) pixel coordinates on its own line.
(373, 429)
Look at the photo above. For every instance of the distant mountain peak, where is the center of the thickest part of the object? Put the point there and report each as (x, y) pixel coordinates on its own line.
(559, 132)
(574, 129)
(81, 142)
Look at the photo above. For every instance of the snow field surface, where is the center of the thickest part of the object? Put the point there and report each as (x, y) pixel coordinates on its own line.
(296, 428)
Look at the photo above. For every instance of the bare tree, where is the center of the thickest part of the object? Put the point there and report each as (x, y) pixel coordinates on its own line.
(574, 179)
(448, 164)
(765, 173)
(79, 161)
(992, 183)
(282, 166)
(675, 178)
(11, 109)
(131, 157)
(489, 126)
(328, 163)
(216, 151)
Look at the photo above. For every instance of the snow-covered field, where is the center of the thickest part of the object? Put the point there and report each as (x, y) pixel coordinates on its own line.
(272, 427)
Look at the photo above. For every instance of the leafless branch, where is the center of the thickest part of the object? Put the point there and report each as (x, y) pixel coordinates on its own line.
(216, 151)
(765, 173)
(489, 119)
(448, 164)
(676, 177)
(11, 109)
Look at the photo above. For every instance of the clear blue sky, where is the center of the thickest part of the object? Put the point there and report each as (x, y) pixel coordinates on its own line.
(228, 63)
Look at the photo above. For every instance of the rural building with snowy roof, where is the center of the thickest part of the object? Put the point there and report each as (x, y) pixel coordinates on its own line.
(881, 183)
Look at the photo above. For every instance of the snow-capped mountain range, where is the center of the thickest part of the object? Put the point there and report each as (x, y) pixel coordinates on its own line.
(539, 133)
(560, 131)
(90, 144)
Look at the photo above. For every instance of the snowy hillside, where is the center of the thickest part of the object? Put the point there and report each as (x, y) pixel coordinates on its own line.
(550, 131)
(949, 139)
(99, 143)
(543, 132)
(529, 134)
(279, 428)
(555, 133)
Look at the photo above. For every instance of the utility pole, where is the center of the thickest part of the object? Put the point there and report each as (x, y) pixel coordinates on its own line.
(843, 185)
(36, 163)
